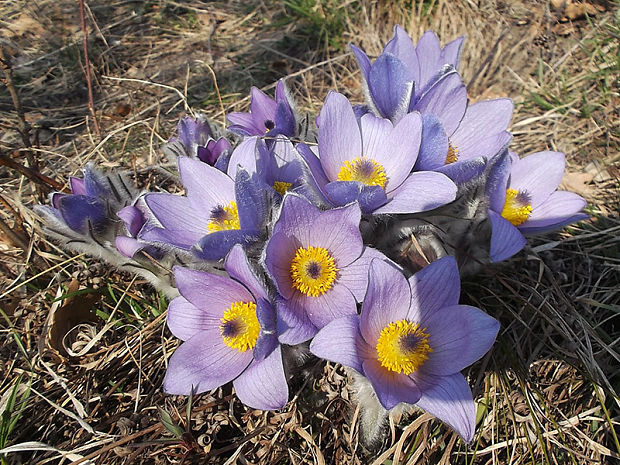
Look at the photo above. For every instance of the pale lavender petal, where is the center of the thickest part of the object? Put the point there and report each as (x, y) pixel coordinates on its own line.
(538, 174)
(337, 230)
(297, 216)
(128, 246)
(446, 99)
(339, 134)
(458, 335)
(185, 320)
(449, 399)
(245, 124)
(238, 267)
(390, 84)
(558, 206)
(263, 385)
(433, 146)
(391, 388)
(279, 255)
(362, 60)
(263, 107)
(78, 186)
(244, 155)
(429, 52)
(484, 146)
(402, 46)
(451, 52)
(484, 118)
(133, 219)
(395, 148)
(435, 286)
(183, 225)
(421, 191)
(506, 240)
(294, 325)
(337, 342)
(205, 186)
(335, 303)
(204, 362)
(314, 165)
(387, 300)
(212, 294)
(554, 226)
(355, 275)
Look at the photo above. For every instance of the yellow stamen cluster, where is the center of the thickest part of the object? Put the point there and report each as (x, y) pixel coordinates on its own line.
(516, 210)
(239, 326)
(281, 187)
(403, 347)
(313, 271)
(453, 154)
(364, 170)
(224, 218)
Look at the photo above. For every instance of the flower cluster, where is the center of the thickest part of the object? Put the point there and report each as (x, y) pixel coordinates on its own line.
(347, 241)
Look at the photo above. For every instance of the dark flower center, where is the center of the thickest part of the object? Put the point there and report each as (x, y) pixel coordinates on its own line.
(269, 124)
(313, 269)
(230, 328)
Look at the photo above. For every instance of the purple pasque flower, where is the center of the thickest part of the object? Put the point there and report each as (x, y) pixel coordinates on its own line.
(215, 214)
(228, 326)
(195, 140)
(319, 265)
(370, 161)
(278, 165)
(90, 208)
(399, 80)
(412, 339)
(523, 199)
(134, 217)
(267, 117)
(481, 133)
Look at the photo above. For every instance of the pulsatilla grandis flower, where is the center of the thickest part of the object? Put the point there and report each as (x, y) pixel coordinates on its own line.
(319, 265)
(195, 140)
(215, 214)
(370, 161)
(267, 117)
(91, 207)
(403, 72)
(524, 200)
(229, 329)
(412, 339)
(457, 151)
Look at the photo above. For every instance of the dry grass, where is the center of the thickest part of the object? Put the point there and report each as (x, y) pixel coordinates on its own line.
(547, 392)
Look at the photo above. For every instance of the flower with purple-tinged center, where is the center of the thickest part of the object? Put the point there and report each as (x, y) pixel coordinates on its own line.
(412, 339)
(480, 134)
(524, 199)
(267, 117)
(370, 161)
(319, 265)
(215, 214)
(278, 165)
(228, 326)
